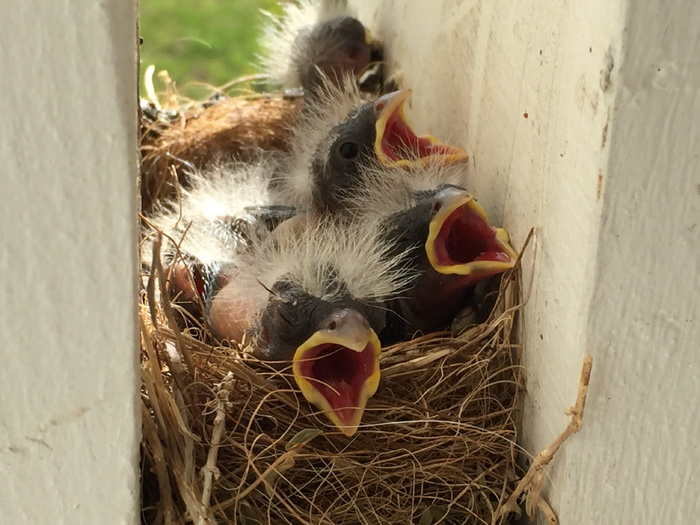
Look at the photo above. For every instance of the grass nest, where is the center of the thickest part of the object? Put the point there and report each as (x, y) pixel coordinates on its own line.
(229, 440)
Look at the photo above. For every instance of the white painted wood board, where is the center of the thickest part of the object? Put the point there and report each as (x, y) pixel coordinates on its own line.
(69, 411)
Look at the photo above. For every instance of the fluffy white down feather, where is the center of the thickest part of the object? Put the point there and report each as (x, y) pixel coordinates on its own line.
(355, 251)
(387, 190)
(222, 190)
(360, 261)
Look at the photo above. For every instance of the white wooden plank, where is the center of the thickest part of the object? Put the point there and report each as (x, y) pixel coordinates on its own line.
(69, 420)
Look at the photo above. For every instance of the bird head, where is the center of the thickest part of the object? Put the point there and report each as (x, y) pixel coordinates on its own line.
(321, 291)
(375, 133)
(444, 235)
(450, 231)
(330, 51)
(333, 348)
(311, 42)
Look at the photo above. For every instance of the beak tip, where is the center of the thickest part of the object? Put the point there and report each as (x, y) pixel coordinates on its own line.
(349, 431)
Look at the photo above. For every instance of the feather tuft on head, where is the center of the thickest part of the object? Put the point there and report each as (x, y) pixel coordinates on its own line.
(281, 53)
(327, 260)
(387, 190)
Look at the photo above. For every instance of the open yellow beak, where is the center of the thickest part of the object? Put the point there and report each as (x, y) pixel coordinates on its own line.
(397, 145)
(337, 368)
(462, 242)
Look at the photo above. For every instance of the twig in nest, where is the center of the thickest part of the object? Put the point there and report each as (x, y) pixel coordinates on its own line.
(210, 470)
(294, 447)
(150, 435)
(532, 481)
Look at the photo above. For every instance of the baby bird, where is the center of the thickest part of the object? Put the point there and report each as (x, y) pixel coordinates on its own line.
(316, 300)
(445, 236)
(313, 42)
(339, 138)
(227, 209)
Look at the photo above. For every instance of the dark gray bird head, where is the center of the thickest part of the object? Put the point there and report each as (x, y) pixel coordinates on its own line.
(315, 300)
(314, 42)
(330, 51)
(445, 236)
(339, 137)
(332, 345)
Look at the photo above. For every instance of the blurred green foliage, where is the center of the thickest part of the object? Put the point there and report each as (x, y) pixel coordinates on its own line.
(201, 42)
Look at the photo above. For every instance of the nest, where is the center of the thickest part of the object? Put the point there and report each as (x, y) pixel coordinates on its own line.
(229, 440)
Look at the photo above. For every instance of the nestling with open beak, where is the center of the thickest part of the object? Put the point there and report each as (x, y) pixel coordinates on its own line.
(316, 301)
(443, 233)
(341, 138)
(313, 42)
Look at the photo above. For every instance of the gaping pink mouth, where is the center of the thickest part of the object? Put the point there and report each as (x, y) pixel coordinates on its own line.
(397, 144)
(465, 237)
(462, 242)
(339, 375)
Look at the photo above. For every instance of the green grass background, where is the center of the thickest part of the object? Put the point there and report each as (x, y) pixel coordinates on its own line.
(201, 41)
